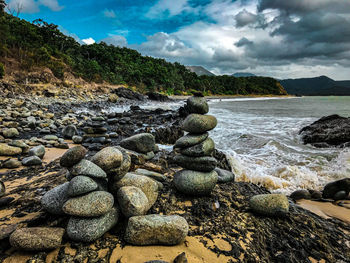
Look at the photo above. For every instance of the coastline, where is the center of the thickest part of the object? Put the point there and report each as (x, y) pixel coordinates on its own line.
(178, 97)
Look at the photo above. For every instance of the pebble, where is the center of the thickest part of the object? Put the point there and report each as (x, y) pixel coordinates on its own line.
(156, 176)
(190, 140)
(300, 194)
(197, 105)
(12, 164)
(69, 131)
(224, 176)
(2, 189)
(10, 133)
(205, 148)
(120, 172)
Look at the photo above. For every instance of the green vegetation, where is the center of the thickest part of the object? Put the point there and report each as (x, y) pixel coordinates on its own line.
(2, 70)
(40, 44)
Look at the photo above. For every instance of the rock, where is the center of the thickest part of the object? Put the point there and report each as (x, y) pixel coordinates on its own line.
(197, 105)
(2, 189)
(340, 195)
(37, 151)
(334, 187)
(157, 96)
(77, 139)
(147, 185)
(224, 176)
(12, 164)
(300, 194)
(6, 150)
(73, 156)
(142, 143)
(315, 194)
(330, 130)
(37, 238)
(156, 230)
(31, 160)
(119, 173)
(69, 131)
(80, 185)
(108, 158)
(89, 229)
(132, 201)
(156, 176)
(195, 183)
(6, 231)
(93, 204)
(202, 164)
(54, 199)
(190, 140)
(270, 204)
(128, 94)
(205, 148)
(196, 123)
(87, 168)
(10, 133)
(181, 258)
(5, 200)
(50, 138)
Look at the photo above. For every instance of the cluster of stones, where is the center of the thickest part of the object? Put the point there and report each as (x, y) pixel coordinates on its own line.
(195, 151)
(95, 131)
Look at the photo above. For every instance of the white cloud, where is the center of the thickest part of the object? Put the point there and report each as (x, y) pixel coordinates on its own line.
(89, 41)
(109, 13)
(32, 6)
(169, 7)
(115, 40)
(52, 4)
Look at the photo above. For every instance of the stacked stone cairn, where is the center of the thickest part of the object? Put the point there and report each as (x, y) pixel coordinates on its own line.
(195, 151)
(95, 132)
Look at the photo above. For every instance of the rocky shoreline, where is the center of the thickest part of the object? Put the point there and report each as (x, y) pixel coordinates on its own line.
(223, 226)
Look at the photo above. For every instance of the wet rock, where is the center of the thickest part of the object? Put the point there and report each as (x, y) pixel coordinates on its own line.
(2, 189)
(12, 164)
(196, 123)
(142, 143)
(132, 201)
(157, 96)
(197, 105)
(156, 230)
(69, 131)
(37, 151)
(202, 164)
(205, 148)
(5, 200)
(195, 183)
(87, 168)
(77, 139)
(300, 194)
(340, 195)
(224, 176)
(120, 172)
(108, 158)
(156, 176)
(6, 150)
(73, 156)
(315, 194)
(93, 204)
(270, 204)
(334, 187)
(54, 199)
(90, 229)
(10, 133)
(190, 140)
(147, 185)
(31, 160)
(37, 238)
(80, 185)
(128, 94)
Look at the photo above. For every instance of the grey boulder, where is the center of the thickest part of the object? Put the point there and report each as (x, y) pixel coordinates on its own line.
(205, 148)
(202, 164)
(80, 185)
(196, 123)
(197, 105)
(31, 160)
(224, 176)
(87, 168)
(37, 151)
(194, 182)
(142, 143)
(190, 140)
(54, 199)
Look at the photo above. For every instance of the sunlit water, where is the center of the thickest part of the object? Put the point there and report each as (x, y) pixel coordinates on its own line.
(260, 136)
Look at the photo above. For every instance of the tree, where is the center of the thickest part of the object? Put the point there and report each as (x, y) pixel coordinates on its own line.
(2, 6)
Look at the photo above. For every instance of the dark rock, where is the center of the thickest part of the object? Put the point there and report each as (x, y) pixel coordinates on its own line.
(224, 176)
(197, 105)
(73, 156)
(340, 195)
(181, 258)
(195, 183)
(202, 164)
(12, 164)
(69, 131)
(31, 160)
(37, 151)
(5, 201)
(2, 189)
(315, 194)
(142, 143)
(332, 130)
(190, 140)
(205, 148)
(300, 194)
(128, 94)
(157, 96)
(334, 187)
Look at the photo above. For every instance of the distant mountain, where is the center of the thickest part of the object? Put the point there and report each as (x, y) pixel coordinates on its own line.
(322, 86)
(243, 74)
(199, 70)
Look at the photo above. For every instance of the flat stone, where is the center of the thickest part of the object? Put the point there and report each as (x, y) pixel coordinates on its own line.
(146, 184)
(108, 158)
(197, 105)
(270, 204)
(50, 138)
(205, 148)
(195, 183)
(31, 160)
(37, 151)
(132, 201)
(12, 164)
(92, 204)
(142, 143)
(190, 140)
(224, 176)
(87, 168)
(37, 238)
(89, 229)
(196, 123)
(54, 199)
(73, 156)
(156, 230)
(202, 164)
(80, 185)
(6, 150)
(156, 176)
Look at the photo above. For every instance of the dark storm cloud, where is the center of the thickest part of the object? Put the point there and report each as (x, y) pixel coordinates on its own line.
(245, 18)
(243, 42)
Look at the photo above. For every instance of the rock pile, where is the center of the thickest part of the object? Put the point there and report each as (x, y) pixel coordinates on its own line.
(195, 151)
(95, 131)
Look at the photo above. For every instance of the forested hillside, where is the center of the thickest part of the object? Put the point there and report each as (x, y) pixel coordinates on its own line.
(41, 45)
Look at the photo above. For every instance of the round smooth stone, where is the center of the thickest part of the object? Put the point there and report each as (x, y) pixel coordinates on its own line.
(132, 201)
(80, 185)
(205, 148)
(73, 156)
(270, 204)
(108, 158)
(197, 105)
(196, 123)
(190, 140)
(87, 168)
(202, 164)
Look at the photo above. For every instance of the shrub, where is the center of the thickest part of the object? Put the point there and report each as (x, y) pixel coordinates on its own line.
(2, 70)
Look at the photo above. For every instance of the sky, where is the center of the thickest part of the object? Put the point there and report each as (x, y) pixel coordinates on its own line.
(277, 38)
